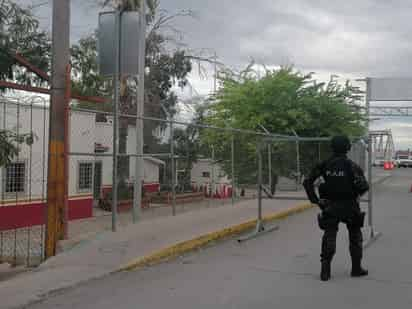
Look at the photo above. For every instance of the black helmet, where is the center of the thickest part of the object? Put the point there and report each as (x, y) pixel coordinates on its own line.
(340, 144)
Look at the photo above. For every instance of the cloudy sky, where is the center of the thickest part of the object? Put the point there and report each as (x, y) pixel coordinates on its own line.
(351, 38)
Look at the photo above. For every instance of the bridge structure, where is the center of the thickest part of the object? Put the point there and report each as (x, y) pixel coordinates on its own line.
(383, 146)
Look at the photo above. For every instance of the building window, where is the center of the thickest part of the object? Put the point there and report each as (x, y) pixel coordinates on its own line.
(206, 174)
(15, 178)
(85, 176)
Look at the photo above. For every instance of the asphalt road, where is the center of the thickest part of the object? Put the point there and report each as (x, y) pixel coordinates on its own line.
(278, 270)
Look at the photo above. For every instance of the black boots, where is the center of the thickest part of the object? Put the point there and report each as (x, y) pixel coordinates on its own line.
(357, 270)
(325, 271)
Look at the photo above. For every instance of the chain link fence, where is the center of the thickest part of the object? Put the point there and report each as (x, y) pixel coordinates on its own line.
(186, 167)
(24, 126)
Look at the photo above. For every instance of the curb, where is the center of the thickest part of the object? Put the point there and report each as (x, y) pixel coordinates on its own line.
(201, 241)
(381, 180)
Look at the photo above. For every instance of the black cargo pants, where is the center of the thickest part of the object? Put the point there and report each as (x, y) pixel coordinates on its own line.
(347, 212)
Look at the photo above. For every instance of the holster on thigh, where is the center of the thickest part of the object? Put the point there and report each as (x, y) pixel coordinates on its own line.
(326, 221)
(358, 220)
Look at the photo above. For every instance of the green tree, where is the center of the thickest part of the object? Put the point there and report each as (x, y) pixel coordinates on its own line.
(10, 143)
(166, 67)
(20, 33)
(281, 100)
(186, 149)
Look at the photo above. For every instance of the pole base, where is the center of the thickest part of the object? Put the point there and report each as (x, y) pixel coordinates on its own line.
(260, 230)
(373, 236)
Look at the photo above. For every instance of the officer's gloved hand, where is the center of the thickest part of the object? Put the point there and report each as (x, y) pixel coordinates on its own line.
(322, 204)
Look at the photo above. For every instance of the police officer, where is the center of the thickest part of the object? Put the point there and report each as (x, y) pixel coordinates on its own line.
(343, 184)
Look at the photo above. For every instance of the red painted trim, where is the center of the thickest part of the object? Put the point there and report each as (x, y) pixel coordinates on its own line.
(43, 75)
(89, 98)
(13, 217)
(24, 62)
(32, 214)
(151, 188)
(4, 84)
(80, 209)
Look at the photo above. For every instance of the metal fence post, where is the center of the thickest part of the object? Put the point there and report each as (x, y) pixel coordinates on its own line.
(259, 186)
(370, 143)
(270, 165)
(319, 153)
(213, 172)
(260, 227)
(233, 169)
(139, 167)
(173, 167)
(297, 160)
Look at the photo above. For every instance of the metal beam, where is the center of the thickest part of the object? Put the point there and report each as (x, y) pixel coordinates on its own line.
(390, 111)
(32, 68)
(10, 85)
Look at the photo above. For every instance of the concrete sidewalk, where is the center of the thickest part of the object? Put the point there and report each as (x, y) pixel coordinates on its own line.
(108, 252)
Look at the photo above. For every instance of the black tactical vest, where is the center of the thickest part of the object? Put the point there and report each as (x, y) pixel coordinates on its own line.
(338, 176)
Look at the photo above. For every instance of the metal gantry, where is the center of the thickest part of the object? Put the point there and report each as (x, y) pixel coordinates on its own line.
(383, 145)
(391, 111)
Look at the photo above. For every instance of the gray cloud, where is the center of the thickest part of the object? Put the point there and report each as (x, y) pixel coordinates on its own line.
(372, 37)
(351, 38)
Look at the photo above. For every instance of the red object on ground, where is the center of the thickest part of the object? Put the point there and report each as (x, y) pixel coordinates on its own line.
(230, 192)
(387, 166)
(80, 208)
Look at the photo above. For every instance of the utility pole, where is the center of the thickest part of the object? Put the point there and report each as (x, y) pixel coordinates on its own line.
(56, 181)
(140, 111)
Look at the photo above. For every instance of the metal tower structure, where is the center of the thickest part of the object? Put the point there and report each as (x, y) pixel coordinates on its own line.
(383, 145)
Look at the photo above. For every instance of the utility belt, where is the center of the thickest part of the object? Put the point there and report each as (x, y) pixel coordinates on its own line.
(328, 218)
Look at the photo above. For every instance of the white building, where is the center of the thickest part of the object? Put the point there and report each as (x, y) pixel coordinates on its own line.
(206, 173)
(24, 181)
